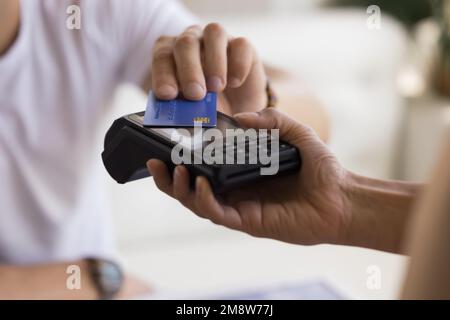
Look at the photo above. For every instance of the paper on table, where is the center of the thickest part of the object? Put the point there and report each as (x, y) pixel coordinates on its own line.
(314, 290)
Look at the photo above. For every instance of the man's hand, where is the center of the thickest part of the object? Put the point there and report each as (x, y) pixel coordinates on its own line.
(201, 60)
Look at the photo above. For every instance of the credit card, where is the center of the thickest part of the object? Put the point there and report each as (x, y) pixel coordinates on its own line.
(181, 112)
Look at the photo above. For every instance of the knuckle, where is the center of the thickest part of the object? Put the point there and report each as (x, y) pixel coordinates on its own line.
(162, 187)
(241, 43)
(162, 184)
(276, 119)
(238, 67)
(185, 42)
(309, 131)
(163, 40)
(183, 199)
(194, 27)
(162, 55)
(253, 232)
(198, 212)
(214, 29)
(271, 113)
(215, 220)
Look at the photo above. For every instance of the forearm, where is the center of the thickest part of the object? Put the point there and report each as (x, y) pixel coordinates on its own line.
(9, 24)
(43, 282)
(380, 211)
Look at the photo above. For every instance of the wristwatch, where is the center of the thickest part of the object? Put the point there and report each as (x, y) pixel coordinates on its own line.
(107, 277)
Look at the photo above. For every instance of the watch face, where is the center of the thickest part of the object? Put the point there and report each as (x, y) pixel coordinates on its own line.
(110, 278)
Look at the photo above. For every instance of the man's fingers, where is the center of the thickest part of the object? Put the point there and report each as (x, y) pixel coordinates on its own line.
(187, 52)
(161, 176)
(209, 208)
(215, 41)
(164, 79)
(291, 131)
(240, 61)
(200, 60)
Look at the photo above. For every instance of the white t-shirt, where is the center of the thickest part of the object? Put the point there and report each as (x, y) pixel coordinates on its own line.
(54, 86)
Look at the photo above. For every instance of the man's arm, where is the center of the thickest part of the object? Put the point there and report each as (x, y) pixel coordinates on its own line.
(49, 282)
(44, 282)
(9, 24)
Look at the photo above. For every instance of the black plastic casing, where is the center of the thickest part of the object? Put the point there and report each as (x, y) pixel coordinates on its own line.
(129, 145)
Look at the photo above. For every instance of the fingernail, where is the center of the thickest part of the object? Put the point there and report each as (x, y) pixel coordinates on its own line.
(167, 91)
(194, 91)
(214, 83)
(234, 83)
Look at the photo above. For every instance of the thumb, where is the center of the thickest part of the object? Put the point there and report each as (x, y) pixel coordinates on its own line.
(291, 131)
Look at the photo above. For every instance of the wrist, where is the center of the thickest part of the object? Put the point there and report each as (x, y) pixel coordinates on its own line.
(378, 210)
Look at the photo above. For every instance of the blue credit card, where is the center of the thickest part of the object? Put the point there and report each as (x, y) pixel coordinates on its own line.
(181, 112)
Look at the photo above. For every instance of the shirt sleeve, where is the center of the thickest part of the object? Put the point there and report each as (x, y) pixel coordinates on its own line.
(141, 23)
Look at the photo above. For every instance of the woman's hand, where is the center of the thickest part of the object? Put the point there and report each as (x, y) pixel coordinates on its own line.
(309, 207)
(201, 60)
(322, 203)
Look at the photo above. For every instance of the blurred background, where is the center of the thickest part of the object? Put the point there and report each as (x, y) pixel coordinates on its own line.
(387, 92)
